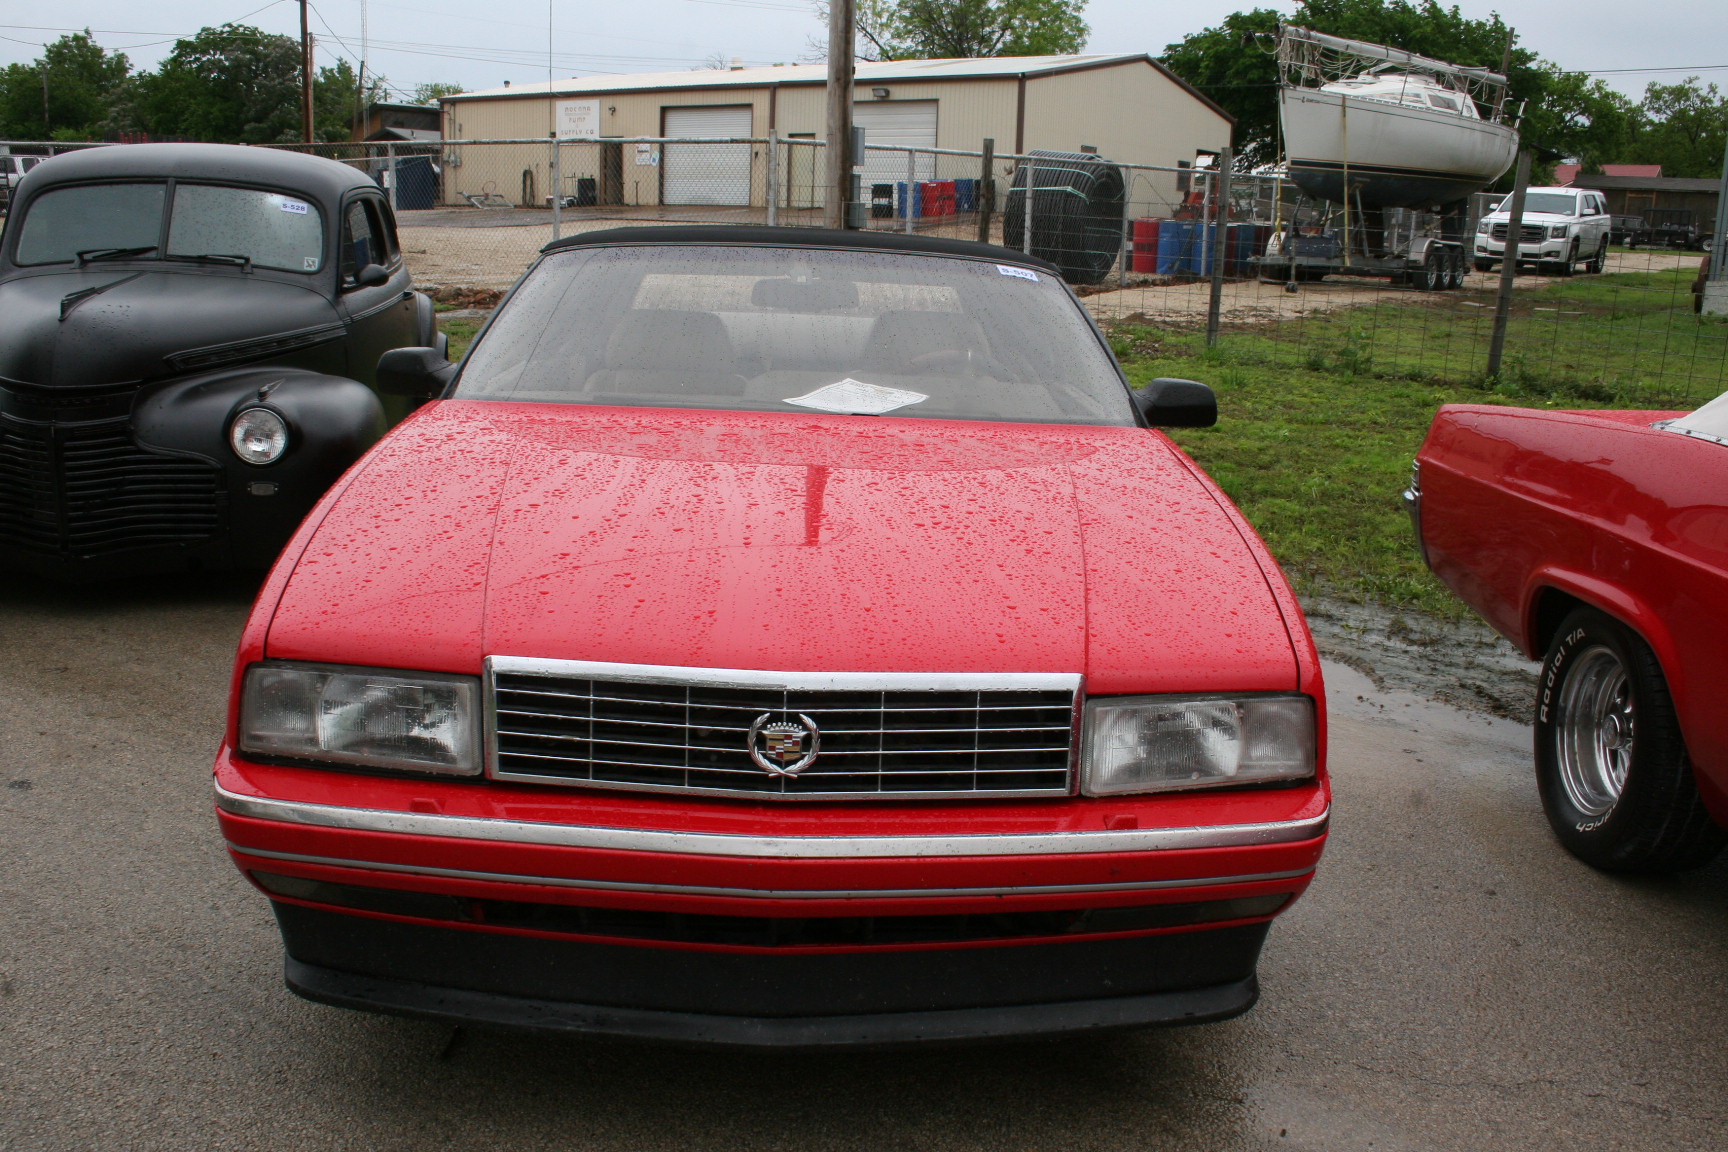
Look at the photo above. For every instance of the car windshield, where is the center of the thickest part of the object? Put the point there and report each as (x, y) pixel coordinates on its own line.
(1555, 203)
(1709, 422)
(234, 225)
(791, 329)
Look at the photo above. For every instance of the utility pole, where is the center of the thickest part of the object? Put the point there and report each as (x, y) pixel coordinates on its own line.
(839, 150)
(305, 74)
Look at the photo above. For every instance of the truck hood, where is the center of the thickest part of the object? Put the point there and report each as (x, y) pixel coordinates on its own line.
(129, 327)
(786, 542)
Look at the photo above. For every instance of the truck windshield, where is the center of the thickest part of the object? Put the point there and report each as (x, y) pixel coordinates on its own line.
(236, 225)
(790, 329)
(1556, 203)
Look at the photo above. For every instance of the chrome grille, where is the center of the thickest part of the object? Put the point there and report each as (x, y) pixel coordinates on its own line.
(1527, 233)
(688, 730)
(87, 490)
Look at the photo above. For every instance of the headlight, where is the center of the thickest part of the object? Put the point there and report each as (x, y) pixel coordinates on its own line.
(1165, 743)
(258, 436)
(1556, 231)
(1484, 226)
(415, 721)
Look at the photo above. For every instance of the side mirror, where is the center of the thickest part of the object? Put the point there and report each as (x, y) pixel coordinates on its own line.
(372, 275)
(418, 372)
(1172, 403)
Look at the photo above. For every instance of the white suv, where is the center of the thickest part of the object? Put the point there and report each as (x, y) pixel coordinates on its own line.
(1561, 226)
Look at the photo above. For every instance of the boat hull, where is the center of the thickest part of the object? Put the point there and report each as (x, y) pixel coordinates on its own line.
(1392, 156)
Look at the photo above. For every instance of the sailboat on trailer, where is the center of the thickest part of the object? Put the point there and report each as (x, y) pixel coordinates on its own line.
(1397, 129)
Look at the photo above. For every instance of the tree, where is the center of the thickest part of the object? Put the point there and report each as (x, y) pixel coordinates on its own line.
(81, 80)
(432, 91)
(1567, 114)
(229, 85)
(1681, 127)
(948, 29)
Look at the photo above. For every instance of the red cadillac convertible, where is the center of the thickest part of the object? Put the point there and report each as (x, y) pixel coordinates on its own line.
(1598, 543)
(778, 637)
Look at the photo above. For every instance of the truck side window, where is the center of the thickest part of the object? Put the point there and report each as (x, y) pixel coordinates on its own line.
(362, 239)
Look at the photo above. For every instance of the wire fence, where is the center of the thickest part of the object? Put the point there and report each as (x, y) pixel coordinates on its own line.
(1248, 272)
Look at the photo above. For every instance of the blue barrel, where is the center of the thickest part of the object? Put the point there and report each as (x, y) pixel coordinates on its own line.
(1174, 236)
(900, 199)
(966, 195)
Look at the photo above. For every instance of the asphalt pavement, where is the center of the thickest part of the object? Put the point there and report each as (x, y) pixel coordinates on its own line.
(1453, 980)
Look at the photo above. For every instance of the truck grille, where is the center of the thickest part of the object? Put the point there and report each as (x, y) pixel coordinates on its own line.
(689, 730)
(1527, 233)
(87, 490)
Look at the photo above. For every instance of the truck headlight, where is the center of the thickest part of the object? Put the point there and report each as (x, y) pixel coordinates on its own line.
(1556, 231)
(1166, 743)
(375, 718)
(258, 436)
(1484, 226)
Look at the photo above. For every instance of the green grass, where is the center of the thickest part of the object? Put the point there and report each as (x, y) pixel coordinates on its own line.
(1320, 418)
(1629, 338)
(461, 334)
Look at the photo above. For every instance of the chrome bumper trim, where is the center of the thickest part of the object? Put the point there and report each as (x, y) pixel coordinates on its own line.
(795, 847)
(766, 893)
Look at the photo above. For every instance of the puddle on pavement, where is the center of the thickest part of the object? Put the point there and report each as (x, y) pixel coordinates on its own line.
(1463, 663)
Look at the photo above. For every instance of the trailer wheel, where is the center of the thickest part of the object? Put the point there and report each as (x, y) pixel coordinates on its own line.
(1484, 265)
(1454, 271)
(1431, 277)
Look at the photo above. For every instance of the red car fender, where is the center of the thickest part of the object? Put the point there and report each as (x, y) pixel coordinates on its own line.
(1612, 599)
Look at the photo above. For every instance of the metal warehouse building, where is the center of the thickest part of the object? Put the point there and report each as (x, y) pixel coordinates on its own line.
(1129, 108)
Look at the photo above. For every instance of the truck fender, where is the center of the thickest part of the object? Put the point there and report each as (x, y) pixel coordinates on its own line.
(1605, 597)
(331, 419)
(426, 323)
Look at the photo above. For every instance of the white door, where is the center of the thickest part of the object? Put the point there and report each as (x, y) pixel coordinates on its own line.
(908, 123)
(705, 173)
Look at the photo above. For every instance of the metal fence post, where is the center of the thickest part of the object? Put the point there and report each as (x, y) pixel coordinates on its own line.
(911, 189)
(1026, 210)
(1220, 229)
(1509, 264)
(390, 174)
(557, 193)
(1719, 241)
(773, 178)
(986, 196)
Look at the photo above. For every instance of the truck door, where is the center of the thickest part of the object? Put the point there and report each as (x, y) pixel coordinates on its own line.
(379, 316)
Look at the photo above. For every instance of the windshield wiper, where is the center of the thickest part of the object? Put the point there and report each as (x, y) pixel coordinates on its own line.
(90, 254)
(213, 258)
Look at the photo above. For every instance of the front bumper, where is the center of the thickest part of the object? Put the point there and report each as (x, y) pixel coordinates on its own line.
(728, 923)
(1488, 248)
(808, 1000)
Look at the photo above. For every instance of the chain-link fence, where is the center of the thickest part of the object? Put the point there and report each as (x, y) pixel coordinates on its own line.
(1249, 271)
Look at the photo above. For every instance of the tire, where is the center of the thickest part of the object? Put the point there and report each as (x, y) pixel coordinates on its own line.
(1611, 762)
(1484, 265)
(1456, 270)
(1571, 263)
(1596, 263)
(1431, 277)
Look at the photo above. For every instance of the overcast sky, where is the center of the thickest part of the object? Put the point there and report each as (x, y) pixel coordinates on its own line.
(482, 43)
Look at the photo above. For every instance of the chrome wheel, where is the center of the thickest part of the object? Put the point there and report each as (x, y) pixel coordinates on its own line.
(1594, 730)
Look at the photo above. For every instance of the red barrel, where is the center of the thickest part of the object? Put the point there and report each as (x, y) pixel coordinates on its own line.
(1145, 245)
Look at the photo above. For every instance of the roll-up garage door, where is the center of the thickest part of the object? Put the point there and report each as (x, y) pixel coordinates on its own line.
(706, 173)
(907, 123)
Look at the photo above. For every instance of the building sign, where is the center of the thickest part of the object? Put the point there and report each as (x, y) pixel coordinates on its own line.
(578, 119)
(647, 155)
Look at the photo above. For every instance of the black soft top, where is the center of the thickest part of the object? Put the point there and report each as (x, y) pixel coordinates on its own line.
(317, 178)
(760, 235)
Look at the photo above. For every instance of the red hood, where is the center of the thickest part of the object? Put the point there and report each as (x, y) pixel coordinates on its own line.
(787, 542)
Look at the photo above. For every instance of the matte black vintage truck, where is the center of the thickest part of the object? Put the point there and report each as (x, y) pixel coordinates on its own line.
(188, 341)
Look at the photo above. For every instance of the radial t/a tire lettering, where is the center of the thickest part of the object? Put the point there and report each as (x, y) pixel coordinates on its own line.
(1611, 761)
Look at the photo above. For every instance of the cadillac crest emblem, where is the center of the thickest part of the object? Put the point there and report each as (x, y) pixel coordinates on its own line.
(784, 747)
